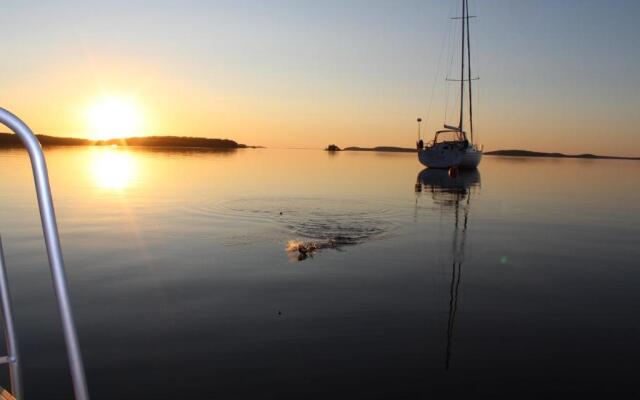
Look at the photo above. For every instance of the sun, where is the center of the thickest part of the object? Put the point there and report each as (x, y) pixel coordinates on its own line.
(113, 117)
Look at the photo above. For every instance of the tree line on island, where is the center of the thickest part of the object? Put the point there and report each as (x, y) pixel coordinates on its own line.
(10, 140)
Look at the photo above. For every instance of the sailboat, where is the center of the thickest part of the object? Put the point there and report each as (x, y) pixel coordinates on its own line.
(452, 147)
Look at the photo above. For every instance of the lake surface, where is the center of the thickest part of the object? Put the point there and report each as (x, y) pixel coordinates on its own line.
(518, 281)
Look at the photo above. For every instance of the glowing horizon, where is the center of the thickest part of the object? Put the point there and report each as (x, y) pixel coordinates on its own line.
(114, 117)
(303, 74)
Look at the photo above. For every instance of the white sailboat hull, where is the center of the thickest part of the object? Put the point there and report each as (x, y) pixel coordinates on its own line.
(471, 158)
(448, 155)
(439, 157)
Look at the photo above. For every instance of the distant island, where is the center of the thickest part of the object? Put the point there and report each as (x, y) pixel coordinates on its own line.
(8, 140)
(332, 147)
(503, 153)
(527, 153)
(173, 141)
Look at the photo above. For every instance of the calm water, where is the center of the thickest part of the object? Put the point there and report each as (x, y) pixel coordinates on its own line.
(517, 281)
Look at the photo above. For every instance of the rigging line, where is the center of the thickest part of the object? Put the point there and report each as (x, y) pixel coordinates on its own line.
(449, 33)
(474, 108)
(453, 11)
(452, 296)
(478, 108)
(443, 44)
(450, 50)
(457, 101)
(477, 56)
(454, 312)
(457, 276)
(461, 123)
(455, 284)
(469, 72)
(451, 316)
(453, 37)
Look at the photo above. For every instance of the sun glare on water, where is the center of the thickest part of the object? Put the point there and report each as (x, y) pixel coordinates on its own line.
(113, 169)
(113, 117)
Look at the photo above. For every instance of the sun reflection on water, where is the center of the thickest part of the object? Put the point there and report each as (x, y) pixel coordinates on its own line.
(113, 169)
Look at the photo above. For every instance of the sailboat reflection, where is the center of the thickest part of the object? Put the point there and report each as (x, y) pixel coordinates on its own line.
(453, 192)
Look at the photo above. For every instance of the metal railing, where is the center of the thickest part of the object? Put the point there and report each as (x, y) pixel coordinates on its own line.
(56, 263)
(9, 331)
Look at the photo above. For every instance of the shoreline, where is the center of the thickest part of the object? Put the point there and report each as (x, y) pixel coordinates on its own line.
(501, 153)
(8, 140)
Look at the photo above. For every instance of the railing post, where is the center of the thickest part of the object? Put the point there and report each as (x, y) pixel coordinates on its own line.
(52, 242)
(9, 330)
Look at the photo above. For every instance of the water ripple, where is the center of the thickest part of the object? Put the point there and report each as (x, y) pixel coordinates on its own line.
(341, 222)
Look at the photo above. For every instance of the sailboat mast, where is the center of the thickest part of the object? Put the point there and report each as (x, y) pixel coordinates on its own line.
(464, 9)
(469, 70)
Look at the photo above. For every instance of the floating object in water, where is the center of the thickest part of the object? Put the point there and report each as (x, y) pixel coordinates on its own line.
(307, 249)
(453, 172)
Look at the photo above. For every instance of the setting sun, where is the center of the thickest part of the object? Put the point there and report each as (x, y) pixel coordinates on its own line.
(114, 117)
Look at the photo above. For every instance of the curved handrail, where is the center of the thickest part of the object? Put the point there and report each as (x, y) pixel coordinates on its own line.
(52, 242)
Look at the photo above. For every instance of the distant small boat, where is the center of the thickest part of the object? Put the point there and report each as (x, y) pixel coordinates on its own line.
(458, 150)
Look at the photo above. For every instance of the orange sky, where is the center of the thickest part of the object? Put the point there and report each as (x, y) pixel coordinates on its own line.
(300, 74)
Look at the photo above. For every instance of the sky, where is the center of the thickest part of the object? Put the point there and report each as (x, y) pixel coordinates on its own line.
(555, 75)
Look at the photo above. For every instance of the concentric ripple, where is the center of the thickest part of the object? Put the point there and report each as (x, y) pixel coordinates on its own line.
(319, 220)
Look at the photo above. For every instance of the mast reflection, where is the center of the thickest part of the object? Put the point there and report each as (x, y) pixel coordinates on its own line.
(452, 191)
